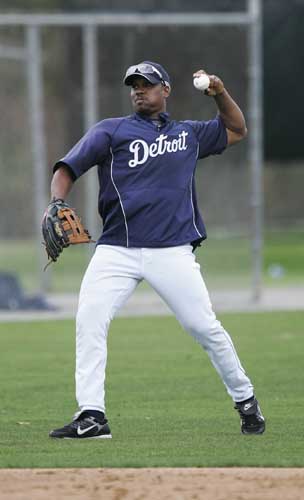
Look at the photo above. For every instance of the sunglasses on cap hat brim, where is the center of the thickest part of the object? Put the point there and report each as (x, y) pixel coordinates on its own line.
(152, 74)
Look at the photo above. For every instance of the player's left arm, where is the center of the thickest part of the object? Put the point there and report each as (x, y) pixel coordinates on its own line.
(229, 111)
(232, 117)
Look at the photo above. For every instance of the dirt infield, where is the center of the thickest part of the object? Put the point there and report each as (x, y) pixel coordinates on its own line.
(152, 484)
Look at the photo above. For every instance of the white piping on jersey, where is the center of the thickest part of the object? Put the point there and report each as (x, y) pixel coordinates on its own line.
(193, 216)
(197, 152)
(122, 208)
(193, 213)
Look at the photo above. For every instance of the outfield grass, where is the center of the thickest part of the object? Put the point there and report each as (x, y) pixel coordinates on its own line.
(165, 402)
(226, 262)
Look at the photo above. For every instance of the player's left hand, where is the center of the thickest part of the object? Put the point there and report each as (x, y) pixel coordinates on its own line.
(216, 86)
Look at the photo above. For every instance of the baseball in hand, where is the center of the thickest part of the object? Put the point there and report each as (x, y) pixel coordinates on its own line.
(201, 82)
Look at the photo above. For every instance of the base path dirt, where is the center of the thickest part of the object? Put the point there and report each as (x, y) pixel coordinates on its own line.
(152, 484)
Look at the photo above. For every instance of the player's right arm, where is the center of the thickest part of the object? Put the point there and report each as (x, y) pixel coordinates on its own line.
(89, 151)
(92, 149)
(62, 182)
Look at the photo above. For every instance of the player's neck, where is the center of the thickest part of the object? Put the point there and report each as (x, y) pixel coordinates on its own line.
(155, 115)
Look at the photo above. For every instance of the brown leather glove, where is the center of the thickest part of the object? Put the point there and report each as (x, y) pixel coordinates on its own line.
(61, 227)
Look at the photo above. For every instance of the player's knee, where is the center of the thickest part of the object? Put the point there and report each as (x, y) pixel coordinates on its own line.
(197, 327)
(204, 330)
(91, 317)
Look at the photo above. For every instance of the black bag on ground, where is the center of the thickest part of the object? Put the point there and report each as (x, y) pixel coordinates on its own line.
(12, 297)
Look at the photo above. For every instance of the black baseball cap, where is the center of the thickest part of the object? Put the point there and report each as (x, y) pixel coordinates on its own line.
(151, 71)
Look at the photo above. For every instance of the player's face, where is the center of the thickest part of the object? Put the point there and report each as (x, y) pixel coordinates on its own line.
(147, 98)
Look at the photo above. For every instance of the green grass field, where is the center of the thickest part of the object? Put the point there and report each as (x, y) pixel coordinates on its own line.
(226, 262)
(165, 402)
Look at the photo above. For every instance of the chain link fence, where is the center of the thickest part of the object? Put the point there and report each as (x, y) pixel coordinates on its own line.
(223, 182)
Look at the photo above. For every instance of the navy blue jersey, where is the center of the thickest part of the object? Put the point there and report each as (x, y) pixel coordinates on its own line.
(146, 172)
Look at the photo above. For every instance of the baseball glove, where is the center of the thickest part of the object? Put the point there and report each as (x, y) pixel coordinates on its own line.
(61, 227)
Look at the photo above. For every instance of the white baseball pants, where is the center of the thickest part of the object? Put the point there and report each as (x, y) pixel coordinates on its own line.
(111, 277)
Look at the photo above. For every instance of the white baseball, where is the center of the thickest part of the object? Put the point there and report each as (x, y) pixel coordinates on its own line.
(201, 82)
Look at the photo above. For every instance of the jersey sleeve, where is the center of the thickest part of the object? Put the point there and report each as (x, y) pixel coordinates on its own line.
(211, 136)
(91, 150)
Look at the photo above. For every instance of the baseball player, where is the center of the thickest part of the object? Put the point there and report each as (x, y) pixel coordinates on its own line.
(151, 227)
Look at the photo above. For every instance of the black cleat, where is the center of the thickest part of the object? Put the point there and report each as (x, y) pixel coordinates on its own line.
(84, 426)
(252, 420)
